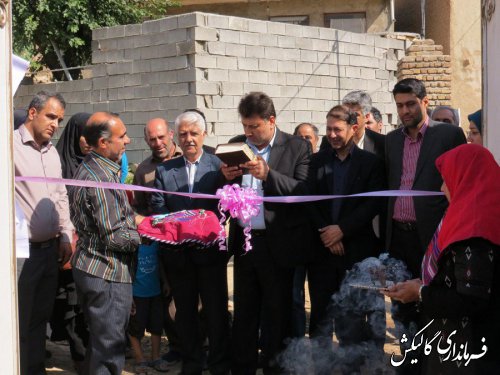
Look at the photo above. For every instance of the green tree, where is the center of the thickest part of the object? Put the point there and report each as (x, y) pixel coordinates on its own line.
(41, 26)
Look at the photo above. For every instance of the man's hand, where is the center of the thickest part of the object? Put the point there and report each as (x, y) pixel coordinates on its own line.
(230, 173)
(337, 248)
(330, 235)
(139, 219)
(405, 292)
(64, 253)
(257, 168)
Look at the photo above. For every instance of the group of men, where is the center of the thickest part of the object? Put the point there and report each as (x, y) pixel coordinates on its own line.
(325, 239)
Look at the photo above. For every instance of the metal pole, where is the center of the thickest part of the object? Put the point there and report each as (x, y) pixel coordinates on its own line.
(61, 61)
(422, 12)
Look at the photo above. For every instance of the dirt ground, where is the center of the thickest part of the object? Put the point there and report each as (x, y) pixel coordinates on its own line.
(60, 362)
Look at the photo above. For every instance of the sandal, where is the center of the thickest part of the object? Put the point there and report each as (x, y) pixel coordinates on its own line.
(159, 365)
(141, 368)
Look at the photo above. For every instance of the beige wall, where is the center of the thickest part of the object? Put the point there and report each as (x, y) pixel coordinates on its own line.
(377, 11)
(465, 51)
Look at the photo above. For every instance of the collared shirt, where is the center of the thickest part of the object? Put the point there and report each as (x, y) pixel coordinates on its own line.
(191, 169)
(340, 169)
(404, 209)
(248, 180)
(145, 176)
(105, 223)
(45, 206)
(361, 143)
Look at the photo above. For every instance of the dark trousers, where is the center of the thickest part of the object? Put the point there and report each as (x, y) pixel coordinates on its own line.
(106, 307)
(325, 277)
(298, 305)
(195, 274)
(261, 289)
(37, 285)
(406, 246)
(169, 326)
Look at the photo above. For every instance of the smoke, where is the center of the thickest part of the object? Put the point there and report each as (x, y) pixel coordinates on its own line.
(359, 321)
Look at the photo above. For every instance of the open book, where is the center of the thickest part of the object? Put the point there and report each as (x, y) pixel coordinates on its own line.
(234, 154)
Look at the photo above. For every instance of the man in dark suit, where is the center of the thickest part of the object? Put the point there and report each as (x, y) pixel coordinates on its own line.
(411, 152)
(194, 273)
(345, 229)
(263, 276)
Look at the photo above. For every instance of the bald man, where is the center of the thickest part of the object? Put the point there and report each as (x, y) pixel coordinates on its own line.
(107, 243)
(159, 138)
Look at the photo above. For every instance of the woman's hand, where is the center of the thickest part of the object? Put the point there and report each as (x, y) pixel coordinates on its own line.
(405, 292)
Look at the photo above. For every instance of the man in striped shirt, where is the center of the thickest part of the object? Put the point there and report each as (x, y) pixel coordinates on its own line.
(107, 241)
(411, 152)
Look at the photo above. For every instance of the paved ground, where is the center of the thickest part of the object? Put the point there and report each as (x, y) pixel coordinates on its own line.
(60, 363)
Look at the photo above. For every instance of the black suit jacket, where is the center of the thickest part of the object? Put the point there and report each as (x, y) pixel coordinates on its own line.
(366, 173)
(374, 143)
(439, 138)
(287, 228)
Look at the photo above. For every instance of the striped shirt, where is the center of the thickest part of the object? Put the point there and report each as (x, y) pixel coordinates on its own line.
(104, 221)
(404, 209)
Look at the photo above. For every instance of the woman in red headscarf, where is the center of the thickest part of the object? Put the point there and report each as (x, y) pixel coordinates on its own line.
(459, 293)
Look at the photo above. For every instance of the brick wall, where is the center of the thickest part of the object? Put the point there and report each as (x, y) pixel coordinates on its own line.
(425, 60)
(159, 68)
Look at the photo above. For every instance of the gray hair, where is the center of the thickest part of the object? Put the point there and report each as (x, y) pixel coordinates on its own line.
(313, 127)
(377, 116)
(455, 112)
(359, 98)
(190, 117)
(41, 98)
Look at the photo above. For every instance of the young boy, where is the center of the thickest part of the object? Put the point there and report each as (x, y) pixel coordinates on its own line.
(147, 310)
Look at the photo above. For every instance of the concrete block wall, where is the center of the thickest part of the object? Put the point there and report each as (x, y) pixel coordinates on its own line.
(425, 60)
(162, 67)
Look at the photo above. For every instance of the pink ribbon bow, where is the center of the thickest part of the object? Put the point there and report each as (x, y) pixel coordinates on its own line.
(243, 204)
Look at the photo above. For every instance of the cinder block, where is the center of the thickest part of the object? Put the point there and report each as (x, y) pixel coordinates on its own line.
(205, 61)
(352, 72)
(303, 116)
(310, 32)
(186, 47)
(286, 41)
(141, 66)
(117, 106)
(358, 38)
(132, 54)
(267, 65)
(169, 63)
(224, 102)
(273, 52)
(268, 40)
(367, 73)
(120, 68)
(251, 39)
(205, 33)
(246, 63)
(306, 92)
(191, 19)
(100, 33)
(105, 44)
(304, 67)
(276, 28)
(321, 69)
(226, 62)
(293, 30)
(179, 35)
(286, 66)
(216, 48)
(151, 27)
(365, 50)
(278, 79)
(328, 34)
(225, 126)
(290, 54)
(310, 56)
(114, 56)
(329, 82)
(232, 88)
(391, 65)
(116, 31)
(152, 104)
(294, 79)
(238, 76)
(98, 57)
(207, 88)
(370, 40)
(256, 51)
(238, 23)
(168, 23)
(116, 81)
(319, 44)
(257, 77)
(257, 26)
(352, 49)
(229, 36)
(143, 91)
(237, 50)
(218, 75)
(321, 93)
(216, 21)
(133, 29)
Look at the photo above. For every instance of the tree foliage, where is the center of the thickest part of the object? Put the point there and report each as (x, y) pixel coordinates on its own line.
(38, 25)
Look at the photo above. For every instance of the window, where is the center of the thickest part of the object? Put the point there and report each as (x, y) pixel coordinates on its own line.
(295, 20)
(354, 22)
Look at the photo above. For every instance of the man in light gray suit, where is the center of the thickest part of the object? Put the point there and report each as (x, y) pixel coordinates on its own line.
(195, 274)
(411, 152)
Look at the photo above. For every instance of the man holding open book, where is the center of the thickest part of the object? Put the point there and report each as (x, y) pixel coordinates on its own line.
(263, 277)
